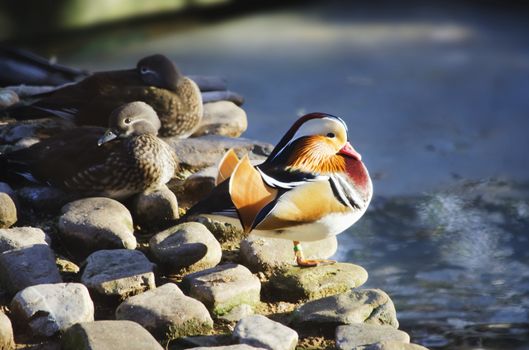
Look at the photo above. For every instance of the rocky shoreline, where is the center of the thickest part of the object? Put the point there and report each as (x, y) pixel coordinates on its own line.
(93, 273)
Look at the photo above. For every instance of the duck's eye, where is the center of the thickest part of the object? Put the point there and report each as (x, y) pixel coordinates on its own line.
(127, 120)
(331, 135)
(143, 70)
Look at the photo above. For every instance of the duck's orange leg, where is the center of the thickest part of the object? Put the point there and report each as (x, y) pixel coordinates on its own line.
(302, 262)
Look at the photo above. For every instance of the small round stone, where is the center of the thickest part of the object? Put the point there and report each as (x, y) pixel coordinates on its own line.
(8, 211)
(155, 207)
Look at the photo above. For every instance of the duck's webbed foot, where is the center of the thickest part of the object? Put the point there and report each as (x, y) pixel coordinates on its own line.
(302, 262)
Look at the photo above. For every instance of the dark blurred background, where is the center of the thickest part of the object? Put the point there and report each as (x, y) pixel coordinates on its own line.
(436, 96)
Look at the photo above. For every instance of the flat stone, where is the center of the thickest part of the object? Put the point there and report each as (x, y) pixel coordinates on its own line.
(296, 283)
(268, 254)
(119, 272)
(228, 347)
(8, 98)
(260, 331)
(19, 237)
(223, 118)
(390, 345)
(371, 306)
(115, 335)
(348, 337)
(8, 211)
(155, 207)
(224, 287)
(51, 308)
(238, 312)
(166, 312)
(186, 247)
(7, 341)
(97, 223)
(28, 266)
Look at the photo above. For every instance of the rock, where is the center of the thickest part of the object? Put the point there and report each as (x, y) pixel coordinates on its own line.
(197, 186)
(295, 283)
(204, 341)
(223, 118)
(50, 308)
(267, 254)
(8, 98)
(4, 187)
(228, 347)
(348, 337)
(186, 247)
(115, 335)
(371, 306)
(119, 272)
(33, 128)
(28, 266)
(97, 223)
(26, 142)
(155, 207)
(391, 345)
(19, 237)
(44, 198)
(224, 232)
(224, 287)
(166, 312)
(7, 341)
(8, 211)
(238, 312)
(66, 266)
(260, 331)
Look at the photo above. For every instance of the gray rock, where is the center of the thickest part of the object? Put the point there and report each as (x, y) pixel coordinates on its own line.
(115, 335)
(97, 223)
(7, 341)
(260, 331)
(238, 312)
(224, 232)
(166, 312)
(228, 347)
(295, 283)
(390, 345)
(223, 118)
(19, 237)
(8, 98)
(34, 128)
(155, 207)
(28, 266)
(224, 287)
(8, 211)
(186, 247)
(267, 254)
(119, 272)
(51, 308)
(348, 337)
(205, 341)
(371, 306)
(44, 198)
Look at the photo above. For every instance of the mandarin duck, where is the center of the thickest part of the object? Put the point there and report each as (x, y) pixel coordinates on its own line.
(312, 186)
(126, 159)
(155, 80)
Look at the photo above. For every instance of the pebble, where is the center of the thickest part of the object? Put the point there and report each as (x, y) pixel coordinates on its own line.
(119, 272)
(296, 283)
(223, 118)
(19, 237)
(8, 211)
(267, 254)
(115, 335)
(8, 98)
(260, 331)
(50, 308)
(186, 247)
(371, 306)
(390, 345)
(166, 312)
(224, 287)
(97, 223)
(7, 341)
(28, 266)
(155, 207)
(348, 337)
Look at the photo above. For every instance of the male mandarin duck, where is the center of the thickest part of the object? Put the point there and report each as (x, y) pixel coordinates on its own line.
(126, 159)
(155, 80)
(312, 186)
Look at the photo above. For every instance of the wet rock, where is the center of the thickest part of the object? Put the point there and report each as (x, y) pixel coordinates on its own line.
(19, 237)
(390, 345)
(224, 232)
(238, 312)
(224, 287)
(97, 223)
(166, 312)
(115, 335)
(8, 211)
(44, 198)
(371, 306)
(50, 308)
(186, 247)
(260, 331)
(267, 254)
(8, 98)
(34, 128)
(223, 118)
(28, 266)
(295, 283)
(7, 341)
(228, 347)
(119, 272)
(348, 337)
(155, 207)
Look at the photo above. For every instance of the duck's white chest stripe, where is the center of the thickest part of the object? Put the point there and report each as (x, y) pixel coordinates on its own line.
(344, 191)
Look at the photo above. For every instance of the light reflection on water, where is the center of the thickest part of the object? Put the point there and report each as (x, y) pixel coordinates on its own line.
(455, 263)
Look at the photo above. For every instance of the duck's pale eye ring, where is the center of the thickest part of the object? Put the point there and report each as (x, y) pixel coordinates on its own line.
(143, 70)
(127, 120)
